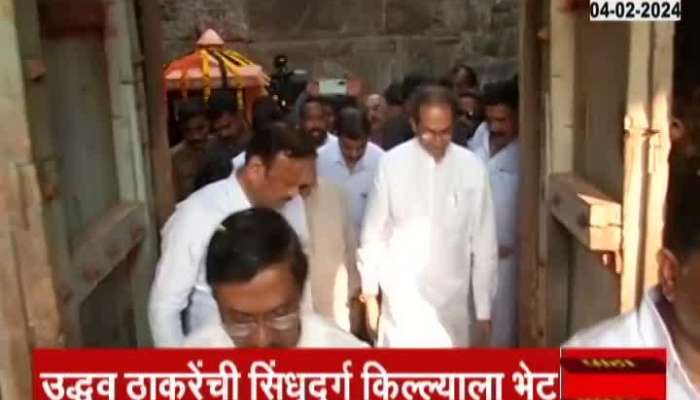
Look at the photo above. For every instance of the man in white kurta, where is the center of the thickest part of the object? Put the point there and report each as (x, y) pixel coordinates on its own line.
(334, 282)
(429, 238)
(496, 143)
(257, 269)
(270, 178)
(669, 315)
(643, 328)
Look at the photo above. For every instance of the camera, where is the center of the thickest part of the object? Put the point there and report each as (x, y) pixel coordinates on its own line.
(285, 85)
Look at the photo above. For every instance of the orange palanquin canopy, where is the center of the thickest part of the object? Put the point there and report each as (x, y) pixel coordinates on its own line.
(212, 66)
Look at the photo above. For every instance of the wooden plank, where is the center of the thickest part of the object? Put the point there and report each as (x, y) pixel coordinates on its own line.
(71, 17)
(28, 313)
(150, 25)
(106, 243)
(587, 205)
(125, 51)
(530, 330)
(15, 355)
(558, 151)
(591, 216)
(659, 147)
(636, 123)
(562, 88)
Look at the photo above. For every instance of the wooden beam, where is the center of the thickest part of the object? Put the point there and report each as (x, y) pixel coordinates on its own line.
(28, 312)
(71, 17)
(591, 216)
(104, 244)
(531, 329)
(659, 146)
(150, 25)
(558, 156)
(636, 125)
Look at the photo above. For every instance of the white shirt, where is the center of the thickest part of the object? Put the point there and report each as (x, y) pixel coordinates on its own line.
(428, 228)
(180, 278)
(504, 177)
(642, 328)
(331, 140)
(316, 332)
(355, 184)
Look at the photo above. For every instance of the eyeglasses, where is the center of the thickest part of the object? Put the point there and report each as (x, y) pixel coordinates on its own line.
(277, 323)
(426, 135)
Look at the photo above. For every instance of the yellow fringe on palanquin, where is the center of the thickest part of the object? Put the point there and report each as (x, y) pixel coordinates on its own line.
(237, 56)
(206, 74)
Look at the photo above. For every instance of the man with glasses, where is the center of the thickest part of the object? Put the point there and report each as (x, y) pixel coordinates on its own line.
(257, 271)
(429, 236)
(277, 161)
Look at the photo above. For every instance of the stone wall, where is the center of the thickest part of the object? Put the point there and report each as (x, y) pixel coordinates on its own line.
(379, 40)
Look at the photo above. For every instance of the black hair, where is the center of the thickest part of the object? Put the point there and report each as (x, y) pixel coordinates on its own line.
(393, 94)
(502, 93)
(682, 225)
(433, 95)
(191, 108)
(472, 77)
(280, 137)
(265, 111)
(412, 82)
(222, 101)
(248, 242)
(352, 123)
(321, 101)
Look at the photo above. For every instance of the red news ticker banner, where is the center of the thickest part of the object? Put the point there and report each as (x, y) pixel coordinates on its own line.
(349, 374)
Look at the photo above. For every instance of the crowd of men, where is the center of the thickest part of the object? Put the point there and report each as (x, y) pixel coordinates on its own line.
(388, 221)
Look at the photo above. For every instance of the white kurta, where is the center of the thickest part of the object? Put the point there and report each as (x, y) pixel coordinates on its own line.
(642, 328)
(316, 332)
(180, 279)
(429, 239)
(504, 176)
(333, 277)
(355, 184)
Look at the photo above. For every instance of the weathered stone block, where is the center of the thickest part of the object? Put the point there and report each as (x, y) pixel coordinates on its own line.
(360, 17)
(504, 20)
(409, 16)
(509, 43)
(275, 18)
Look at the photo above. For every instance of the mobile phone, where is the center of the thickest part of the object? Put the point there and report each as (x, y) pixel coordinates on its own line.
(329, 87)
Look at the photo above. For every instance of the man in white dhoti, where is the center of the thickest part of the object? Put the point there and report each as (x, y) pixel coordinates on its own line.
(257, 270)
(669, 315)
(334, 282)
(429, 237)
(496, 143)
(277, 162)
